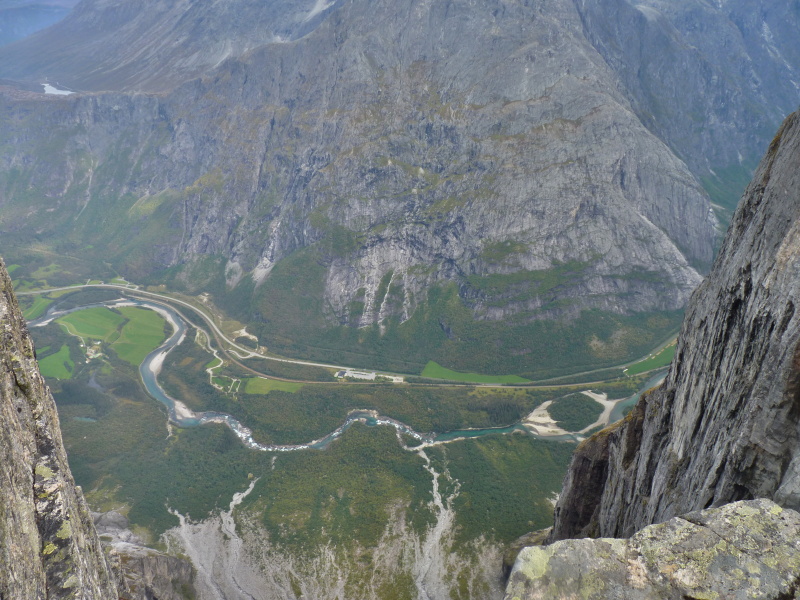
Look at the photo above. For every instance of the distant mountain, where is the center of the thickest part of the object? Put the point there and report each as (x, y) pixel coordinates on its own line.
(431, 177)
(20, 18)
(154, 45)
(712, 79)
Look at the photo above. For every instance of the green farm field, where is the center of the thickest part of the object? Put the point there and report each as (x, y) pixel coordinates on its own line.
(36, 310)
(93, 323)
(58, 365)
(259, 385)
(132, 332)
(434, 370)
(142, 334)
(656, 361)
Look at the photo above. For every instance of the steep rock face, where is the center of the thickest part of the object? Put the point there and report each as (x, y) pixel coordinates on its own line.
(392, 138)
(743, 550)
(151, 575)
(48, 545)
(738, 58)
(725, 424)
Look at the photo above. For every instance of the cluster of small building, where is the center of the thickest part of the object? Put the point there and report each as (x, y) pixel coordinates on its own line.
(368, 376)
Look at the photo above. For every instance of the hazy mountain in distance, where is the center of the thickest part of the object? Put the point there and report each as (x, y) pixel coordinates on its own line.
(692, 70)
(20, 18)
(712, 79)
(156, 44)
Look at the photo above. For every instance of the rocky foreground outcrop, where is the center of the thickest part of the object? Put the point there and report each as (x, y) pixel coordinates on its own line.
(48, 544)
(748, 549)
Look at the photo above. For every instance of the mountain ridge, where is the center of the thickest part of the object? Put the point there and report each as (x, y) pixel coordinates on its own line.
(447, 172)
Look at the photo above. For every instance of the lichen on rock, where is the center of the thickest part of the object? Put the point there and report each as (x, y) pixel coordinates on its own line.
(746, 549)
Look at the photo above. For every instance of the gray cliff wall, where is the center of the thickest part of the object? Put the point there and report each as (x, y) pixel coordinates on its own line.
(738, 59)
(151, 575)
(146, 573)
(724, 425)
(48, 545)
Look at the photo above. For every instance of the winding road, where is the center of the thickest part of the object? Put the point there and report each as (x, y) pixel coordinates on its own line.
(236, 353)
(180, 414)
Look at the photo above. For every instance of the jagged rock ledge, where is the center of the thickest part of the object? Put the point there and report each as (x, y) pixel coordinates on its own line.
(748, 549)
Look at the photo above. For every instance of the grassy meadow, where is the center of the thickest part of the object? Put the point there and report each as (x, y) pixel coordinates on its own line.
(96, 323)
(131, 332)
(435, 371)
(260, 385)
(58, 365)
(660, 359)
(143, 332)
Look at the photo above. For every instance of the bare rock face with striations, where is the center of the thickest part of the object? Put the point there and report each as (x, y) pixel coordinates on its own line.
(679, 60)
(48, 545)
(137, 55)
(725, 425)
